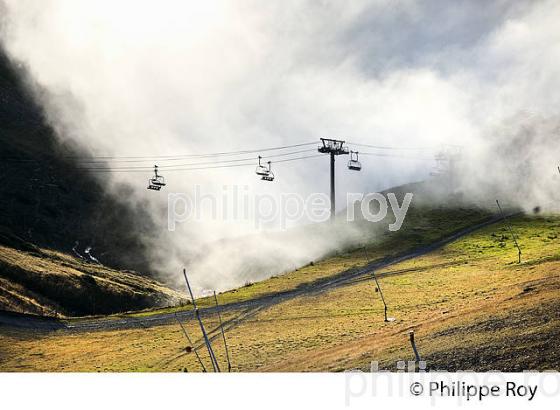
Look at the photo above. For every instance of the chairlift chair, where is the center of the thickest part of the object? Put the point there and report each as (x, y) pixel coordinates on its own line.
(353, 163)
(441, 166)
(269, 174)
(261, 169)
(157, 182)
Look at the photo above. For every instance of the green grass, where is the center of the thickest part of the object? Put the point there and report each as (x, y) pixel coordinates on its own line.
(423, 226)
(458, 299)
(534, 234)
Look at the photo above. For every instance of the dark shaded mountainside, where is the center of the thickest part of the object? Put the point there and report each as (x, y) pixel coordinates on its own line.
(49, 208)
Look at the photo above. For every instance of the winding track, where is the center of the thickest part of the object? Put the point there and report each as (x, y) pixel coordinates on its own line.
(248, 308)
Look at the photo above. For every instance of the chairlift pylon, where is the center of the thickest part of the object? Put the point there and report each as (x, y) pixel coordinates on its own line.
(157, 182)
(353, 163)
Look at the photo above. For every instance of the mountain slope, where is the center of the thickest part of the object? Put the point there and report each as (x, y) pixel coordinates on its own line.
(471, 305)
(47, 200)
(47, 282)
(50, 209)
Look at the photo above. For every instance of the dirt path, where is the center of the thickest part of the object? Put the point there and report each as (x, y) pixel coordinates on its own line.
(247, 308)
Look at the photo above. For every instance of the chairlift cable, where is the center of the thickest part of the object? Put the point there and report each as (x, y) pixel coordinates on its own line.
(379, 154)
(178, 157)
(384, 147)
(248, 164)
(223, 161)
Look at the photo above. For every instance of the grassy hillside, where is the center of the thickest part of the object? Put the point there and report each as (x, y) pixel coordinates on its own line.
(48, 206)
(471, 305)
(45, 199)
(51, 283)
(424, 225)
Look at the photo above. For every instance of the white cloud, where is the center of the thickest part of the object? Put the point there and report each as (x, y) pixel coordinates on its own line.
(159, 78)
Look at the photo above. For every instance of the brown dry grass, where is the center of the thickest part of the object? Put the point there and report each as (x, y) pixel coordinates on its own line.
(51, 283)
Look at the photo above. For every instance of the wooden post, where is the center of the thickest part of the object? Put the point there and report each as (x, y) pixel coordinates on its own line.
(416, 354)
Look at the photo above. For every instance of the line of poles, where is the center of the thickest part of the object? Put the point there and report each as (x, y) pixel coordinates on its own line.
(206, 339)
(207, 342)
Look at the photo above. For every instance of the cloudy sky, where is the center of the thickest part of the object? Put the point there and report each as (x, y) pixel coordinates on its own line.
(147, 78)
